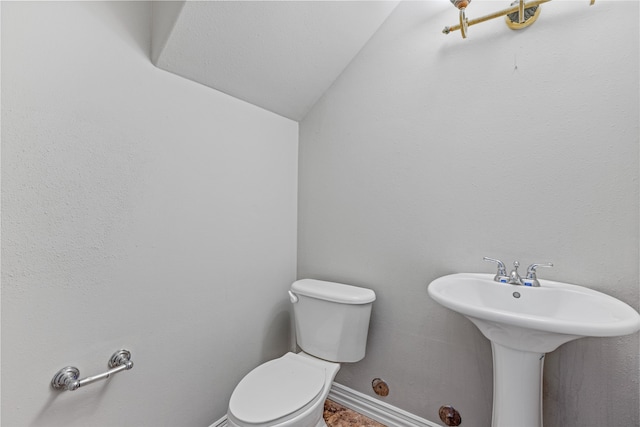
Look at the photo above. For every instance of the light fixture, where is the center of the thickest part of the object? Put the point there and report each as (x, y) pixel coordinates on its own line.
(519, 15)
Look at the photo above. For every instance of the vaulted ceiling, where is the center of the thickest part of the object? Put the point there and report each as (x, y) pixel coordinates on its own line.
(279, 55)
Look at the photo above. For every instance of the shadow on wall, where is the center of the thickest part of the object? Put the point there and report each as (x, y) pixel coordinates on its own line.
(84, 407)
(277, 334)
(119, 17)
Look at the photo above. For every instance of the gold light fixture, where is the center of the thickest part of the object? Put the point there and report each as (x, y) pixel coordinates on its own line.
(519, 15)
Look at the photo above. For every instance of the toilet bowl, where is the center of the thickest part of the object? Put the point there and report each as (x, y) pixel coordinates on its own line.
(332, 324)
(285, 392)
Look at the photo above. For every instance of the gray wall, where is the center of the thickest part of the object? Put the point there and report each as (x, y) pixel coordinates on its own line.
(139, 210)
(144, 211)
(430, 152)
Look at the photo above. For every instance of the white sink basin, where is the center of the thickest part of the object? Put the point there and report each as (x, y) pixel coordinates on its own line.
(553, 308)
(523, 323)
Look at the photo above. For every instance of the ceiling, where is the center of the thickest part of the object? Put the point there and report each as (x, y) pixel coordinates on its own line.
(278, 55)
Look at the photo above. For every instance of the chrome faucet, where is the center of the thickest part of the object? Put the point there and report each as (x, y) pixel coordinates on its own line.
(514, 278)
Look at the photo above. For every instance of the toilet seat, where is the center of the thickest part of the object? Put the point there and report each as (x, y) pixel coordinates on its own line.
(277, 389)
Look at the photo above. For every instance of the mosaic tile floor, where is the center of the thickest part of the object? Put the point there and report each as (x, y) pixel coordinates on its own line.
(336, 415)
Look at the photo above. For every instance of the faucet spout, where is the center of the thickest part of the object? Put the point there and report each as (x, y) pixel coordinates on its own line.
(514, 277)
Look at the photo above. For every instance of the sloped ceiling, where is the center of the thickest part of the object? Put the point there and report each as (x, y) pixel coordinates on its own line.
(279, 55)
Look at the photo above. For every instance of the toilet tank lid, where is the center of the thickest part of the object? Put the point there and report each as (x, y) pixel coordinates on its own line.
(334, 292)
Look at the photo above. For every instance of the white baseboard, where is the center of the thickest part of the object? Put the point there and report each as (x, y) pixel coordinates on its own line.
(368, 406)
(222, 422)
(375, 409)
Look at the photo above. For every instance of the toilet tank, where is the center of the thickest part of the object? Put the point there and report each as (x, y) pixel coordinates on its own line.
(332, 319)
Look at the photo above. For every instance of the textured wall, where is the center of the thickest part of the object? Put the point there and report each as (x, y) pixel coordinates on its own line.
(430, 152)
(139, 210)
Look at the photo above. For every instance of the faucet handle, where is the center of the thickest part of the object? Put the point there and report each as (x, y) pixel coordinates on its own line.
(531, 270)
(531, 278)
(501, 275)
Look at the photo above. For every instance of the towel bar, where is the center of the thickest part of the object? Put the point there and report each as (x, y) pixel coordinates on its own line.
(67, 377)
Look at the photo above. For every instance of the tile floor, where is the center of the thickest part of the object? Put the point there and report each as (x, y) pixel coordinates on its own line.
(336, 415)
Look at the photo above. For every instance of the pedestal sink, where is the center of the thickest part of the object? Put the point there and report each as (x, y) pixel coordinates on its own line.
(523, 323)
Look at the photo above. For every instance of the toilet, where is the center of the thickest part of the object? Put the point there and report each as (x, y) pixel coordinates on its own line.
(332, 323)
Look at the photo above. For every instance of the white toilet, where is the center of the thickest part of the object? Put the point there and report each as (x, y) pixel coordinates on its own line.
(332, 323)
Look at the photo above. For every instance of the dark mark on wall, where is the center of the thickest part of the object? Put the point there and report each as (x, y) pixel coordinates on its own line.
(449, 415)
(380, 387)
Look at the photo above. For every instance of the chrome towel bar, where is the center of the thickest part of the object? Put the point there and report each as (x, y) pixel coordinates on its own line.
(67, 378)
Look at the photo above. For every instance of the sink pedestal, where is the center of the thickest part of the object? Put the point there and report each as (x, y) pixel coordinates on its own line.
(517, 387)
(518, 361)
